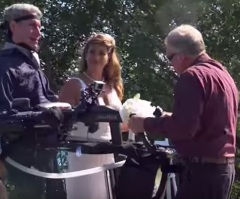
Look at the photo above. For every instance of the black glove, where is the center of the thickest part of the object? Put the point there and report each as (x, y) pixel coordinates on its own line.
(53, 117)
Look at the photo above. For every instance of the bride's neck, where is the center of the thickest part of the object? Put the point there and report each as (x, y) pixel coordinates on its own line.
(97, 76)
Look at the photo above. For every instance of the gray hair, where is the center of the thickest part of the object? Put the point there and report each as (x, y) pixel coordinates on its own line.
(186, 39)
(19, 10)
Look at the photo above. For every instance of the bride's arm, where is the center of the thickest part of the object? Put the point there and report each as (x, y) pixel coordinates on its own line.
(70, 92)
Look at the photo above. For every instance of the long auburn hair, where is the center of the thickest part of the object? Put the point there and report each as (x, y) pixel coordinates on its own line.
(112, 71)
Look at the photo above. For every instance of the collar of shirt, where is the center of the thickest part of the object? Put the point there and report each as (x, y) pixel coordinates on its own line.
(203, 57)
(30, 54)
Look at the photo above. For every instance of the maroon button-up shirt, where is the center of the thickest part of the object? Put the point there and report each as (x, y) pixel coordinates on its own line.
(204, 117)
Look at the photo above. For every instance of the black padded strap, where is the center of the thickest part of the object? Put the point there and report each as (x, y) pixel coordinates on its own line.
(26, 17)
(5, 24)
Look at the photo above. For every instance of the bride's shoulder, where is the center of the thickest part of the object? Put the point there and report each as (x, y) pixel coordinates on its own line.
(74, 82)
(113, 91)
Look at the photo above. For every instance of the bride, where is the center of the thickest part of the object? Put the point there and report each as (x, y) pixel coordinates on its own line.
(99, 63)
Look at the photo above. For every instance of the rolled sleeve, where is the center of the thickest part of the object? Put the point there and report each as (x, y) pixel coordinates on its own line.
(184, 122)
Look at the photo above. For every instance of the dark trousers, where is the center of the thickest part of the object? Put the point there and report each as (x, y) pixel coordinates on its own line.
(206, 181)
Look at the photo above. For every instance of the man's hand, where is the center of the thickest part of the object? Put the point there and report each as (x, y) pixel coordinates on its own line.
(136, 124)
(53, 117)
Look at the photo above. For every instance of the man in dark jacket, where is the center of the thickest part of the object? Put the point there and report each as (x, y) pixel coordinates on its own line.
(21, 77)
(20, 72)
(202, 125)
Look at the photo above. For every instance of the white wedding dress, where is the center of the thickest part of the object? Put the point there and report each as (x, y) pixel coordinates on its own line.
(90, 186)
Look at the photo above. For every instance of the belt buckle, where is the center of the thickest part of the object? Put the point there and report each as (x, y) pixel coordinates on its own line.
(202, 160)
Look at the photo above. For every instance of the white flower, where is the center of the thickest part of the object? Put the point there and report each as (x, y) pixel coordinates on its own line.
(136, 106)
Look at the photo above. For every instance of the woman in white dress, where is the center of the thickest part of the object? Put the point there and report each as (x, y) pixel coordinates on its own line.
(99, 63)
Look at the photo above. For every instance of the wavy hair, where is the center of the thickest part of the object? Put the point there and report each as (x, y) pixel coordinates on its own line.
(112, 71)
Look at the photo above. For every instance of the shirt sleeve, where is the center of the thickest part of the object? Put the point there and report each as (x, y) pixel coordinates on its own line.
(184, 122)
(6, 89)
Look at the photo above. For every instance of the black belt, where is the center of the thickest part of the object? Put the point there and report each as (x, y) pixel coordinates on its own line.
(202, 160)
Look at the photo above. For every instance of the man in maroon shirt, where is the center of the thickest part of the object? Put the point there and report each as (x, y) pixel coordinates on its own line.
(202, 125)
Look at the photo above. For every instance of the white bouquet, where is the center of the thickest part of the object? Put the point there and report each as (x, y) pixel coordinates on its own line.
(138, 107)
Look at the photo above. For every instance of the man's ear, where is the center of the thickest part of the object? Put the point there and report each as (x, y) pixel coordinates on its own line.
(12, 25)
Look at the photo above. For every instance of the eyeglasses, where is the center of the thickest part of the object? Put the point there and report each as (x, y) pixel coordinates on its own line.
(170, 57)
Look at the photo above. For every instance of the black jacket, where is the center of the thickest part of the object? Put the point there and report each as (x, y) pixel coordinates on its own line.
(21, 78)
